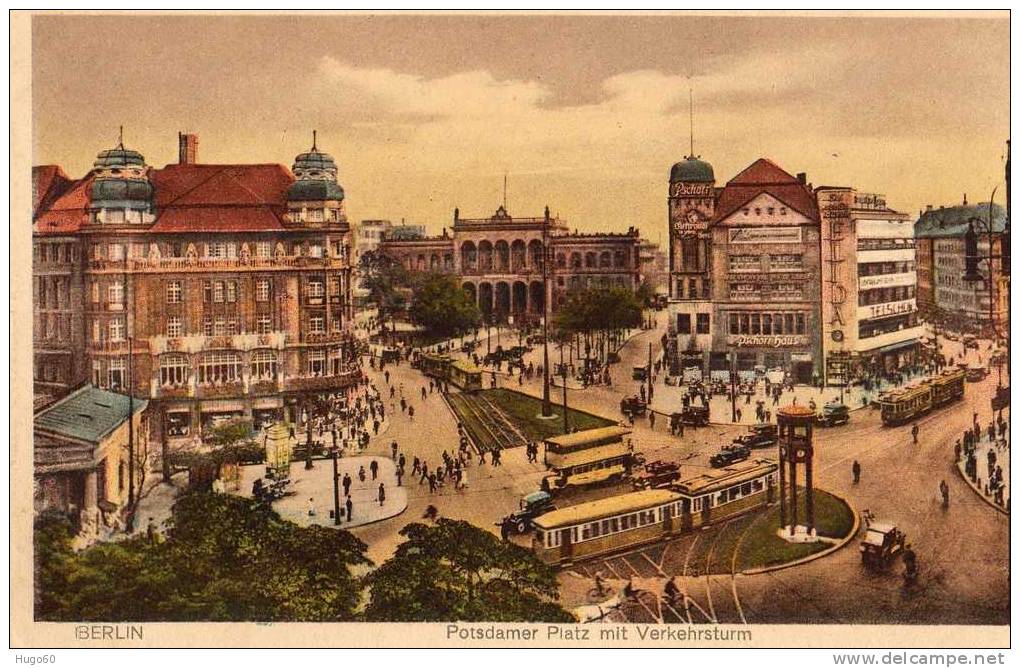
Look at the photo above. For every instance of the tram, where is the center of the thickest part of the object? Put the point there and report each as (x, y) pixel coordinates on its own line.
(629, 520)
(587, 457)
(459, 373)
(908, 403)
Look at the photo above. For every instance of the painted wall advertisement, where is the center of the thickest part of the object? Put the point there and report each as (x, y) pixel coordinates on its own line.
(765, 235)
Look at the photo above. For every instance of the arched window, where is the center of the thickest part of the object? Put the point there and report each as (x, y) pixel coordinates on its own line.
(263, 365)
(605, 260)
(589, 260)
(219, 367)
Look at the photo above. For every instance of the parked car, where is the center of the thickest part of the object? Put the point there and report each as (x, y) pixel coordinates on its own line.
(729, 454)
(758, 436)
(976, 372)
(633, 405)
(640, 373)
(656, 474)
(833, 414)
(531, 506)
(881, 545)
(696, 416)
(970, 341)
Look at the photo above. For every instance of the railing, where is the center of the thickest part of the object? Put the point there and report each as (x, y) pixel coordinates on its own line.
(205, 263)
(221, 390)
(306, 383)
(326, 337)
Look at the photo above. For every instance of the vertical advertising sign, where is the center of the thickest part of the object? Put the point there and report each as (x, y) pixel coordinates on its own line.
(839, 271)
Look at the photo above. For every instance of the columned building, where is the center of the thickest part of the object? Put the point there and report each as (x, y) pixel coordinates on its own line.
(869, 285)
(215, 291)
(499, 261)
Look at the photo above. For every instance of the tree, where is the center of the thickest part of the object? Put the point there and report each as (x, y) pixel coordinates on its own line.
(387, 282)
(598, 314)
(442, 307)
(224, 559)
(454, 570)
(645, 294)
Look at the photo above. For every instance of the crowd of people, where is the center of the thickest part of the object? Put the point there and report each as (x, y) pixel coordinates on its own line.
(994, 438)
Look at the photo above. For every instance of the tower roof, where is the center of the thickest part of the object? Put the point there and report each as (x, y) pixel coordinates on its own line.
(692, 170)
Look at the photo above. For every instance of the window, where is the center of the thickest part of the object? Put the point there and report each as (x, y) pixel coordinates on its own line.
(95, 292)
(220, 327)
(766, 323)
(97, 373)
(315, 250)
(734, 324)
(316, 363)
(223, 367)
(683, 323)
(262, 290)
(173, 292)
(116, 373)
(702, 323)
(314, 289)
(174, 370)
(336, 360)
(216, 250)
(207, 326)
(263, 365)
(800, 323)
(116, 252)
(116, 330)
(231, 291)
(263, 324)
(173, 326)
(218, 291)
(689, 252)
(95, 331)
(263, 249)
(692, 288)
(316, 324)
(756, 323)
(115, 293)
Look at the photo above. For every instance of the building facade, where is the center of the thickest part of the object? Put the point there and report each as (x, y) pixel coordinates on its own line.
(942, 235)
(869, 312)
(500, 261)
(368, 234)
(215, 291)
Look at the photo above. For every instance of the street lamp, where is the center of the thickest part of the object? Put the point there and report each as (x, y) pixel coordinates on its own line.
(546, 403)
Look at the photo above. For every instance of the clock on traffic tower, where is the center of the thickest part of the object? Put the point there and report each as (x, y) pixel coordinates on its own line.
(796, 425)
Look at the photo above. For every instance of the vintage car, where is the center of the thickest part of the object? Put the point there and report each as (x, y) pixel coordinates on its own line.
(729, 454)
(390, 355)
(976, 372)
(531, 506)
(758, 436)
(656, 474)
(881, 545)
(833, 414)
(970, 341)
(633, 405)
(696, 416)
(640, 373)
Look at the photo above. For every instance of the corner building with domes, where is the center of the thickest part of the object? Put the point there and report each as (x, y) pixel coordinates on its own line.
(744, 290)
(214, 291)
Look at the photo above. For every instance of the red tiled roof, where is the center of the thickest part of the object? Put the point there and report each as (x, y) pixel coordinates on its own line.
(188, 198)
(48, 181)
(65, 212)
(220, 198)
(765, 177)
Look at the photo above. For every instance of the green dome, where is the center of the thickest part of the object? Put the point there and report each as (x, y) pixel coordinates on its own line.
(119, 157)
(121, 190)
(314, 190)
(692, 170)
(314, 161)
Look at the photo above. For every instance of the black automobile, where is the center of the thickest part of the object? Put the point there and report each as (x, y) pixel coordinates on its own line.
(532, 505)
(758, 436)
(695, 416)
(834, 414)
(633, 405)
(729, 454)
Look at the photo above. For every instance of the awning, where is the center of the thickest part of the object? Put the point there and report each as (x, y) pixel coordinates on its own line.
(892, 346)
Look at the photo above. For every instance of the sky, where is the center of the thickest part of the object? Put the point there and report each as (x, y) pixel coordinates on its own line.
(584, 113)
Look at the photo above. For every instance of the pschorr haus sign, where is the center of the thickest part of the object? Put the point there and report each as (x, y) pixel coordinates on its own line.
(765, 235)
(767, 340)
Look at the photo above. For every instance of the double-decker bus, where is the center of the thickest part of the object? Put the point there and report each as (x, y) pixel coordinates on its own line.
(587, 457)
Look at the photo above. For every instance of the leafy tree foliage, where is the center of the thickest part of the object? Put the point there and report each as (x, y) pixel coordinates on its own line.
(596, 313)
(454, 570)
(387, 282)
(224, 559)
(442, 307)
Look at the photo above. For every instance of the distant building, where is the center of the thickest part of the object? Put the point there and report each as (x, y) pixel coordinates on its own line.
(869, 311)
(654, 267)
(81, 456)
(368, 234)
(942, 236)
(406, 231)
(499, 261)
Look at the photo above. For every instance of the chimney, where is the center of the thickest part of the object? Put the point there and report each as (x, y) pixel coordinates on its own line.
(187, 149)
(965, 199)
(802, 178)
(928, 207)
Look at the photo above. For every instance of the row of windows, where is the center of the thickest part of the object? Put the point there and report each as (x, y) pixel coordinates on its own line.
(216, 250)
(767, 323)
(696, 289)
(770, 210)
(881, 268)
(52, 292)
(683, 323)
(175, 369)
(870, 328)
(883, 295)
(884, 244)
(747, 292)
(774, 262)
(57, 253)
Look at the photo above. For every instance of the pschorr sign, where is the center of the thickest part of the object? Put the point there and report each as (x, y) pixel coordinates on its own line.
(765, 235)
(766, 340)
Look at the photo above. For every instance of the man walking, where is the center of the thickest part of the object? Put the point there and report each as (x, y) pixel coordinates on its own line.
(914, 431)
(856, 468)
(350, 508)
(374, 466)
(393, 449)
(382, 494)
(347, 484)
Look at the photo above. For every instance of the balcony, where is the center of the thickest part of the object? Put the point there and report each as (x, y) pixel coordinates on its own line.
(197, 342)
(221, 390)
(326, 337)
(199, 264)
(321, 383)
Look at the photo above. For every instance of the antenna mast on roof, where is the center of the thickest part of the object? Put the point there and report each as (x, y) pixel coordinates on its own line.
(504, 190)
(315, 140)
(120, 143)
(690, 112)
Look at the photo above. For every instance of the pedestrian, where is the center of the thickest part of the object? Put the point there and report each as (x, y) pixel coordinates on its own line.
(914, 431)
(382, 494)
(496, 456)
(347, 484)
(651, 419)
(311, 507)
(150, 530)
(361, 473)
(386, 375)
(416, 466)
(410, 413)
(432, 482)
(400, 475)
(401, 460)
(423, 393)
(350, 508)
(393, 449)
(856, 468)
(375, 469)
(424, 473)
(375, 428)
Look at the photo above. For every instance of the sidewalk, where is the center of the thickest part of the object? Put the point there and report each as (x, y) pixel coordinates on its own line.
(980, 483)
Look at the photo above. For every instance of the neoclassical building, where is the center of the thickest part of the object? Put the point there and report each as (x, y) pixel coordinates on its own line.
(500, 261)
(213, 291)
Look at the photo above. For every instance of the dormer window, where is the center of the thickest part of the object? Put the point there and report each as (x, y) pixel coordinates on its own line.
(747, 212)
(772, 211)
(757, 211)
(782, 211)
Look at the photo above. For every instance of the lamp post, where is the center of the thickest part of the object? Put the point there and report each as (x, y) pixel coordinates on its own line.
(546, 403)
(336, 489)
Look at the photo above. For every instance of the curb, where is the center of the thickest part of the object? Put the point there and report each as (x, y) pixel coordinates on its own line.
(977, 491)
(817, 555)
